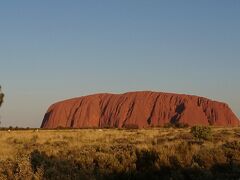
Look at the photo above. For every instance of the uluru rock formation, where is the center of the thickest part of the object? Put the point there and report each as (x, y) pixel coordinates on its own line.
(141, 109)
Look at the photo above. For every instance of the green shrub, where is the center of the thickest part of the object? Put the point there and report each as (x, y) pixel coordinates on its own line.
(201, 132)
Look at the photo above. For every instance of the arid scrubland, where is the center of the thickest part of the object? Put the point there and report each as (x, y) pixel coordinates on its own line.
(166, 153)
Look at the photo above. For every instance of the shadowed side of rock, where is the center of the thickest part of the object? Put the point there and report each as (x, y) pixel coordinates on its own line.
(139, 109)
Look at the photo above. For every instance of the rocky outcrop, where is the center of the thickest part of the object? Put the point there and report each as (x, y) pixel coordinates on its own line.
(141, 109)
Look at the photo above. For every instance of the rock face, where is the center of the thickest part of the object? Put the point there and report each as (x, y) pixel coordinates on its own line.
(138, 109)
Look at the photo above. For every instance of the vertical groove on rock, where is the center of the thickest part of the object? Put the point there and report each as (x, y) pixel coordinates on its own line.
(149, 119)
(74, 114)
(129, 113)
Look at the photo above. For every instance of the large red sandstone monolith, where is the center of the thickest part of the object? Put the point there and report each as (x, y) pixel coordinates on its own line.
(141, 109)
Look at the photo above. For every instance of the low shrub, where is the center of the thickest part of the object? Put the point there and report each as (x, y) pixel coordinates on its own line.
(235, 145)
(131, 126)
(181, 125)
(176, 125)
(201, 132)
(146, 160)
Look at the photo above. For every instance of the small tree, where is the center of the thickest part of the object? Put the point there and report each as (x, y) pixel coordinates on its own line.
(1, 97)
(201, 132)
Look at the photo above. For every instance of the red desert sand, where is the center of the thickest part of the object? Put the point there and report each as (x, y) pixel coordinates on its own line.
(138, 109)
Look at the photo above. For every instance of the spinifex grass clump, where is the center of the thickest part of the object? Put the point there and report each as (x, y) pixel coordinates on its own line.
(202, 132)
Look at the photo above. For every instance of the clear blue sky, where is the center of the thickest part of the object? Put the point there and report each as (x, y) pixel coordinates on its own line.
(56, 49)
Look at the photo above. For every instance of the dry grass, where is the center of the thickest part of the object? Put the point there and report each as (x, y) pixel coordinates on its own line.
(113, 153)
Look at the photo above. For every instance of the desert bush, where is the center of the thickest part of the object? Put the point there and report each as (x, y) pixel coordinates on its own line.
(146, 160)
(235, 145)
(176, 125)
(19, 168)
(55, 167)
(232, 151)
(34, 139)
(186, 136)
(105, 163)
(131, 126)
(201, 132)
(226, 171)
(61, 128)
(6, 169)
(184, 153)
(122, 140)
(175, 162)
(60, 144)
(115, 158)
(181, 125)
(68, 138)
(207, 158)
(168, 125)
